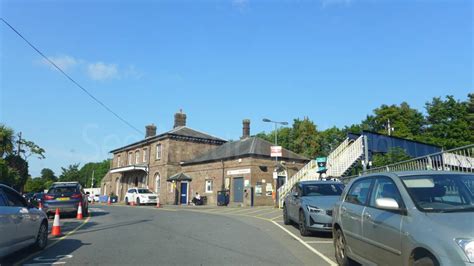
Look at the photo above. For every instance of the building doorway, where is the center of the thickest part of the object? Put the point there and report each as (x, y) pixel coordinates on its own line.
(238, 189)
(183, 199)
(157, 183)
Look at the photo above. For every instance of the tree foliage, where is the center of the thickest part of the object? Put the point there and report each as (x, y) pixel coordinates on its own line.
(394, 155)
(448, 123)
(406, 121)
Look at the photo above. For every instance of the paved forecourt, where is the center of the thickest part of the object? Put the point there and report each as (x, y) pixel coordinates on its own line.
(179, 236)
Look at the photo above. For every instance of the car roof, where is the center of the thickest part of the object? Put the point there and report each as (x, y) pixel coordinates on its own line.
(412, 173)
(318, 182)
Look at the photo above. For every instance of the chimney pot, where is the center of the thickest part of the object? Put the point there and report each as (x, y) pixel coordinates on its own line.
(179, 119)
(150, 131)
(245, 128)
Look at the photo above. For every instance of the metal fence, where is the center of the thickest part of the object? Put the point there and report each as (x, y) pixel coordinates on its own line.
(459, 160)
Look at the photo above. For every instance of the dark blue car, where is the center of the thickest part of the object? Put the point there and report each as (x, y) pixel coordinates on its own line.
(66, 196)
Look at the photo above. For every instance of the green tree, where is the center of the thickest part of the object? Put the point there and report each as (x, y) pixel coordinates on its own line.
(35, 185)
(305, 138)
(71, 173)
(99, 169)
(470, 116)
(394, 155)
(48, 175)
(448, 123)
(6, 140)
(19, 169)
(330, 139)
(406, 121)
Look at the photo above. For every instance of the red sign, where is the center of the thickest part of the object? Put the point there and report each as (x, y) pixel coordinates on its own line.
(276, 151)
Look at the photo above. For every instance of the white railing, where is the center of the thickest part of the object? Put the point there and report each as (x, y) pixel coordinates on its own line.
(339, 161)
(459, 160)
(345, 159)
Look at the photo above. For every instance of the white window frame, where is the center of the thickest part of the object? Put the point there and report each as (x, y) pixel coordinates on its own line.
(137, 157)
(118, 160)
(130, 155)
(159, 150)
(145, 151)
(211, 182)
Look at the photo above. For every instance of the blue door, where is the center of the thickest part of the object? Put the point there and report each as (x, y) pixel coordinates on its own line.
(238, 189)
(184, 193)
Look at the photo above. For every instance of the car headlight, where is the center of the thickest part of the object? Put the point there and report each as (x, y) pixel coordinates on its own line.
(467, 245)
(314, 209)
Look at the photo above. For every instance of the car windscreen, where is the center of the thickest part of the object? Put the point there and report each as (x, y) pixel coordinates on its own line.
(63, 190)
(322, 189)
(441, 193)
(144, 191)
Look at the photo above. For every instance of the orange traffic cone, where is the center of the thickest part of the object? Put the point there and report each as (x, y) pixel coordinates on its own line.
(40, 206)
(108, 201)
(132, 203)
(56, 230)
(158, 205)
(79, 211)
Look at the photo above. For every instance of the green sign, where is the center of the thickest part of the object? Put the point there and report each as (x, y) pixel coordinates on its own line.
(322, 161)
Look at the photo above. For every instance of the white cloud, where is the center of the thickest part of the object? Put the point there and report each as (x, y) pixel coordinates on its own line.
(98, 71)
(240, 4)
(64, 62)
(132, 72)
(102, 71)
(326, 3)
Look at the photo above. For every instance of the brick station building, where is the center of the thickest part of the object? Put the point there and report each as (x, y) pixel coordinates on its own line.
(178, 163)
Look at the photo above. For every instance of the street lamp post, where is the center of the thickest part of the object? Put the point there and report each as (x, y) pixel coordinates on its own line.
(266, 120)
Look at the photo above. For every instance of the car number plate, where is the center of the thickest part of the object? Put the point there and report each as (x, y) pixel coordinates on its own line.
(62, 199)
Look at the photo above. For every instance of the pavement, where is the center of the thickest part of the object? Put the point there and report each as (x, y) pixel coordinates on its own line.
(175, 235)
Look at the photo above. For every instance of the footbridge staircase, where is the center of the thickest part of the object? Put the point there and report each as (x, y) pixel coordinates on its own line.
(339, 162)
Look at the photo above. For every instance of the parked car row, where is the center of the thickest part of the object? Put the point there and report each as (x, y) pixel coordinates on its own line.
(404, 218)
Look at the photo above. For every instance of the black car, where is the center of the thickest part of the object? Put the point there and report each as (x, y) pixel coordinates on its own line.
(66, 196)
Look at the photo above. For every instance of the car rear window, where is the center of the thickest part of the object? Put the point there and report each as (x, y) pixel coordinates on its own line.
(323, 189)
(62, 190)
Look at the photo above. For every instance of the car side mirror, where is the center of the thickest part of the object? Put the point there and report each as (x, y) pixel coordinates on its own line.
(387, 204)
(294, 194)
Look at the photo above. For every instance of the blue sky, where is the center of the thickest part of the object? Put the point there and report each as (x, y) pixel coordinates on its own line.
(333, 61)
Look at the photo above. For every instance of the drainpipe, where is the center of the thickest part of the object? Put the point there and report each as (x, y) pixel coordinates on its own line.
(223, 178)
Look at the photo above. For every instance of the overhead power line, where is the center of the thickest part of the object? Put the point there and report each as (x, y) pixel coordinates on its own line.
(71, 79)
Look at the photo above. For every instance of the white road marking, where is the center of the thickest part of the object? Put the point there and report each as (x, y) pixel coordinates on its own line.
(96, 210)
(320, 242)
(328, 260)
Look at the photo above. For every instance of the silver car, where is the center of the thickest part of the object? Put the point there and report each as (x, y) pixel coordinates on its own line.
(310, 204)
(406, 218)
(21, 224)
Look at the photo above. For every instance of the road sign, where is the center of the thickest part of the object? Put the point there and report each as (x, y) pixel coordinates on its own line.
(322, 161)
(276, 151)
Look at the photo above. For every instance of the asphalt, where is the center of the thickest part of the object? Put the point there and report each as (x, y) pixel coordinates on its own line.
(180, 236)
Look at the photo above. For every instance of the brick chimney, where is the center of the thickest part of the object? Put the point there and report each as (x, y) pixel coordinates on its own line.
(245, 128)
(179, 119)
(150, 131)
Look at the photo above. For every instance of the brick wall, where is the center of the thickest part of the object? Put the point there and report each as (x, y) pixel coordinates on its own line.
(261, 173)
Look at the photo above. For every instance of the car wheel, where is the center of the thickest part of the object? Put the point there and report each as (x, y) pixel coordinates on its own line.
(426, 261)
(126, 201)
(42, 237)
(138, 201)
(303, 229)
(340, 248)
(286, 218)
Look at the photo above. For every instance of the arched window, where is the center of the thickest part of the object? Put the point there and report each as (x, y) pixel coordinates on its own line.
(157, 183)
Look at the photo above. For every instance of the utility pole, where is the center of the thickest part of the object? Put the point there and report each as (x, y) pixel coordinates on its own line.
(92, 184)
(19, 144)
(389, 127)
